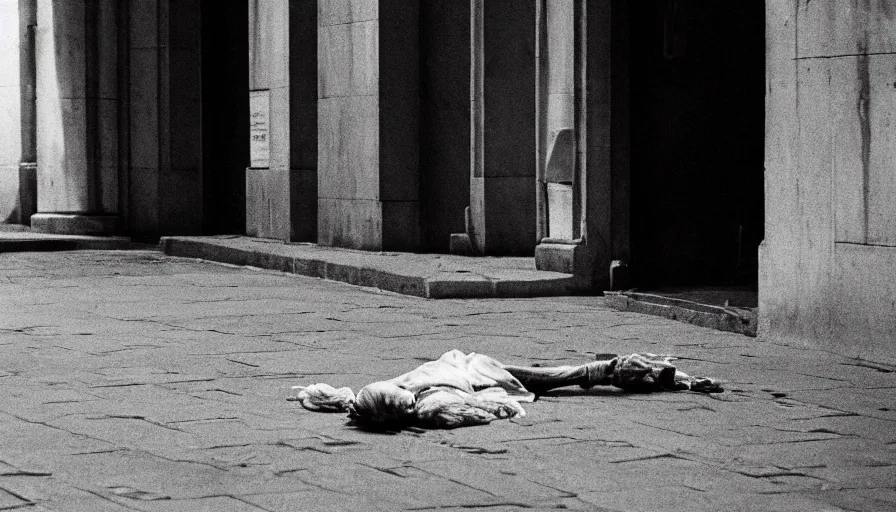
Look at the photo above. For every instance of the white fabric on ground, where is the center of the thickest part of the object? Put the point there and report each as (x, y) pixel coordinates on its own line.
(473, 389)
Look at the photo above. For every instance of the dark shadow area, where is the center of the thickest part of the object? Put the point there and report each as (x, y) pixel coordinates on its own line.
(225, 115)
(444, 120)
(697, 142)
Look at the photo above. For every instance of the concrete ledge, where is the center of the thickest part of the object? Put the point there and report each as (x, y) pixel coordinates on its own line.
(435, 276)
(739, 320)
(74, 224)
(26, 241)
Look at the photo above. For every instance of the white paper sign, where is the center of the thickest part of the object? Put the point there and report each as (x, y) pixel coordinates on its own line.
(259, 129)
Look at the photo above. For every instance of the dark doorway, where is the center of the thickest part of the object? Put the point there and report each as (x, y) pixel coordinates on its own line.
(444, 120)
(225, 115)
(697, 139)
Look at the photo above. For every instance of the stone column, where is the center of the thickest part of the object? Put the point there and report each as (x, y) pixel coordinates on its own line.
(593, 153)
(503, 138)
(77, 112)
(281, 182)
(369, 124)
(10, 112)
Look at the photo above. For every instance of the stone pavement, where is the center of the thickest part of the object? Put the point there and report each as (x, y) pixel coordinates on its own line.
(138, 381)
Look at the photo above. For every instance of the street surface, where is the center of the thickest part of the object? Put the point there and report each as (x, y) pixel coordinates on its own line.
(136, 381)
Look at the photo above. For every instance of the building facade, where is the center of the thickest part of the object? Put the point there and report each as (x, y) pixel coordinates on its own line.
(689, 142)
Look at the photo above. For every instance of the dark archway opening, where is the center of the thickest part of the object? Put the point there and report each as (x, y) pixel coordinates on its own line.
(697, 142)
(225, 115)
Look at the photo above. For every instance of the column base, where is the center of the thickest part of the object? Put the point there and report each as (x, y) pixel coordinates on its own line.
(74, 224)
(558, 255)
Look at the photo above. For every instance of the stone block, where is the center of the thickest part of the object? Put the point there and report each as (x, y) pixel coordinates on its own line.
(556, 257)
(881, 165)
(269, 44)
(279, 129)
(831, 27)
(105, 185)
(534, 288)
(459, 286)
(337, 12)
(9, 194)
(349, 60)
(60, 47)
(9, 44)
(62, 146)
(106, 132)
(10, 125)
(349, 148)
(107, 50)
(267, 203)
(560, 46)
(864, 312)
(461, 245)
(862, 110)
(352, 223)
(73, 224)
(144, 105)
(560, 211)
(143, 26)
(560, 114)
(309, 267)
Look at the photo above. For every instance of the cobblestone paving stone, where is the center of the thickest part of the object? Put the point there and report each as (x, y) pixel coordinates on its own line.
(135, 381)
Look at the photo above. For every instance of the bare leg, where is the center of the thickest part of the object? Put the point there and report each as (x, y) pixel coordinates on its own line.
(636, 372)
(538, 379)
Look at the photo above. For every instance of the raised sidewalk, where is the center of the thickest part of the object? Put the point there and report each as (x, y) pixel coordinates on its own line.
(434, 276)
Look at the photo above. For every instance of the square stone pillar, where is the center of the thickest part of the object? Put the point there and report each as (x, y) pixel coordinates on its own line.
(77, 111)
(368, 123)
(585, 69)
(281, 182)
(503, 130)
(164, 71)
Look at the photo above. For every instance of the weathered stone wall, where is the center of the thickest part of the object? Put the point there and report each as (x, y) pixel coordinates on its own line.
(368, 124)
(281, 189)
(10, 112)
(828, 262)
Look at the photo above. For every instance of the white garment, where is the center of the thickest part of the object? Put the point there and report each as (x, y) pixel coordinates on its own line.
(455, 390)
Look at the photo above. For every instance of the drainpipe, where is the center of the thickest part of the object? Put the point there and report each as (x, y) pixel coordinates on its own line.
(28, 96)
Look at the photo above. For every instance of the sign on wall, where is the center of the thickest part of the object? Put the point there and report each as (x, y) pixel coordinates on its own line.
(259, 129)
